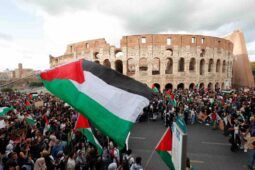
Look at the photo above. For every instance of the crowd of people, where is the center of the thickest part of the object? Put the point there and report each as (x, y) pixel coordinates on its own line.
(229, 110)
(52, 143)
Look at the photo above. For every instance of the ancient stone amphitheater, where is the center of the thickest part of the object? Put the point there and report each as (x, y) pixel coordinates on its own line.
(166, 60)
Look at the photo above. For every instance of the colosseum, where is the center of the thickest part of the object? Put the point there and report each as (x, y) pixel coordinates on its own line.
(168, 61)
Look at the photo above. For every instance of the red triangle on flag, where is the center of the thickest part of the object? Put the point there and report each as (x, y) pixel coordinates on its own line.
(82, 122)
(165, 144)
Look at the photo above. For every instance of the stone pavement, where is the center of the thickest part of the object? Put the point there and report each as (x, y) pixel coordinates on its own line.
(207, 149)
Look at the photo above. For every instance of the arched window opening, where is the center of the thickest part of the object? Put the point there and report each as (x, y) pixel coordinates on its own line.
(119, 54)
(119, 66)
(201, 86)
(181, 65)
(209, 87)
(156, 85)
(155, 66)
(217, 86)
(224, 67)
(130, 67)
(180, 86)
(202, 67)
(169, 66)
(96, 61)
(107, 63)
(96, 55)
(169, 52)
(191, 86)
(143, 65)
(192, 65)
(202, 53)
(218, 66)
(168, 86)
(210, 66)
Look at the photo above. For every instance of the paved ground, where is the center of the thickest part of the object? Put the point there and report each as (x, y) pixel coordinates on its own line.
(207, 149)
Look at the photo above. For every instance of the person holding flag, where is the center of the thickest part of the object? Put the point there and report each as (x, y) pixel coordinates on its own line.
(83, 126)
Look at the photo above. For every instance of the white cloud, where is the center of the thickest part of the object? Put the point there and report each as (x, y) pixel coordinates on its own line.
(67, 21)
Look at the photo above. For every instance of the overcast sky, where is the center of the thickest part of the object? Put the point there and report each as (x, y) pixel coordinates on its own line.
(30, 30)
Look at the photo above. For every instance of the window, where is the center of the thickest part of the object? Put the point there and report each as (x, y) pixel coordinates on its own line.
(202, 40)
(71, 48)
(168, 41)
(193, 40)
(143, 40)
(87, 45)
(181, 65)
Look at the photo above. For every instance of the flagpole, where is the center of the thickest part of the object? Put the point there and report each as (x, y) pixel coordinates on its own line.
(152, 153)
(149, 159)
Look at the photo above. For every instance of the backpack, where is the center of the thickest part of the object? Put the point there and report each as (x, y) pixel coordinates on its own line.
(125, 162)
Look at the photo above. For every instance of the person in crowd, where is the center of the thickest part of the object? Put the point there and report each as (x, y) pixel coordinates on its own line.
(50, 142)
(137, 165)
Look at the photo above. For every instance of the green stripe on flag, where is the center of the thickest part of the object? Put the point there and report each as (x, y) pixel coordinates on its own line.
(167, 158)
(4, 110)
(30, 121)
(91, 138)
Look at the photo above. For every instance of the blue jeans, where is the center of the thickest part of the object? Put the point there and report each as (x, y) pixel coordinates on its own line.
(252, 160)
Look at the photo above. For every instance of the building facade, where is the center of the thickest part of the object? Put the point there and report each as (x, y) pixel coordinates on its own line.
(17, 73)
(166, 60)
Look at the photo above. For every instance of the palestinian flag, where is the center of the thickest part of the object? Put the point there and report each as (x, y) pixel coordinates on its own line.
(108, 99)
(83, 126)
(28, 104)
(171, 98)
(155, 89)
(47, 124)
(31, 121)
(164, 148)
(4, 110)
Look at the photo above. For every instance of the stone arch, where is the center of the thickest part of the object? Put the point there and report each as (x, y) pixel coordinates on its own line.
(180, 86)
(157, 85)
(191, 86)
(130, 67)
(169, 52)
(202, 67)
(202, 53)
(192, 65)
(107, 63)
(96, 61)
(155, 66)
(218, 66)
(119, 54)
(201, 86)
(143, 65)
(224, 66)
(217, 86)
(168, 86)
(222, 85)
(181, 65)
(169, 66)
(119, 66)
(210, 86)
(210, 65)
(96, 55)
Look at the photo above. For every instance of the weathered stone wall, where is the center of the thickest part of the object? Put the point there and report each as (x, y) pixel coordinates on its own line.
(242, 72)
(157, 58)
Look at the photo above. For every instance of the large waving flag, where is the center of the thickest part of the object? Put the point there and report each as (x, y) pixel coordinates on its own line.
(164, 148)
(108, 99)
(83, 126)
(4, 110)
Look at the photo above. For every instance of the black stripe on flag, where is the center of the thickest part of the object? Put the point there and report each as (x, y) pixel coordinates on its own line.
(117, 79)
